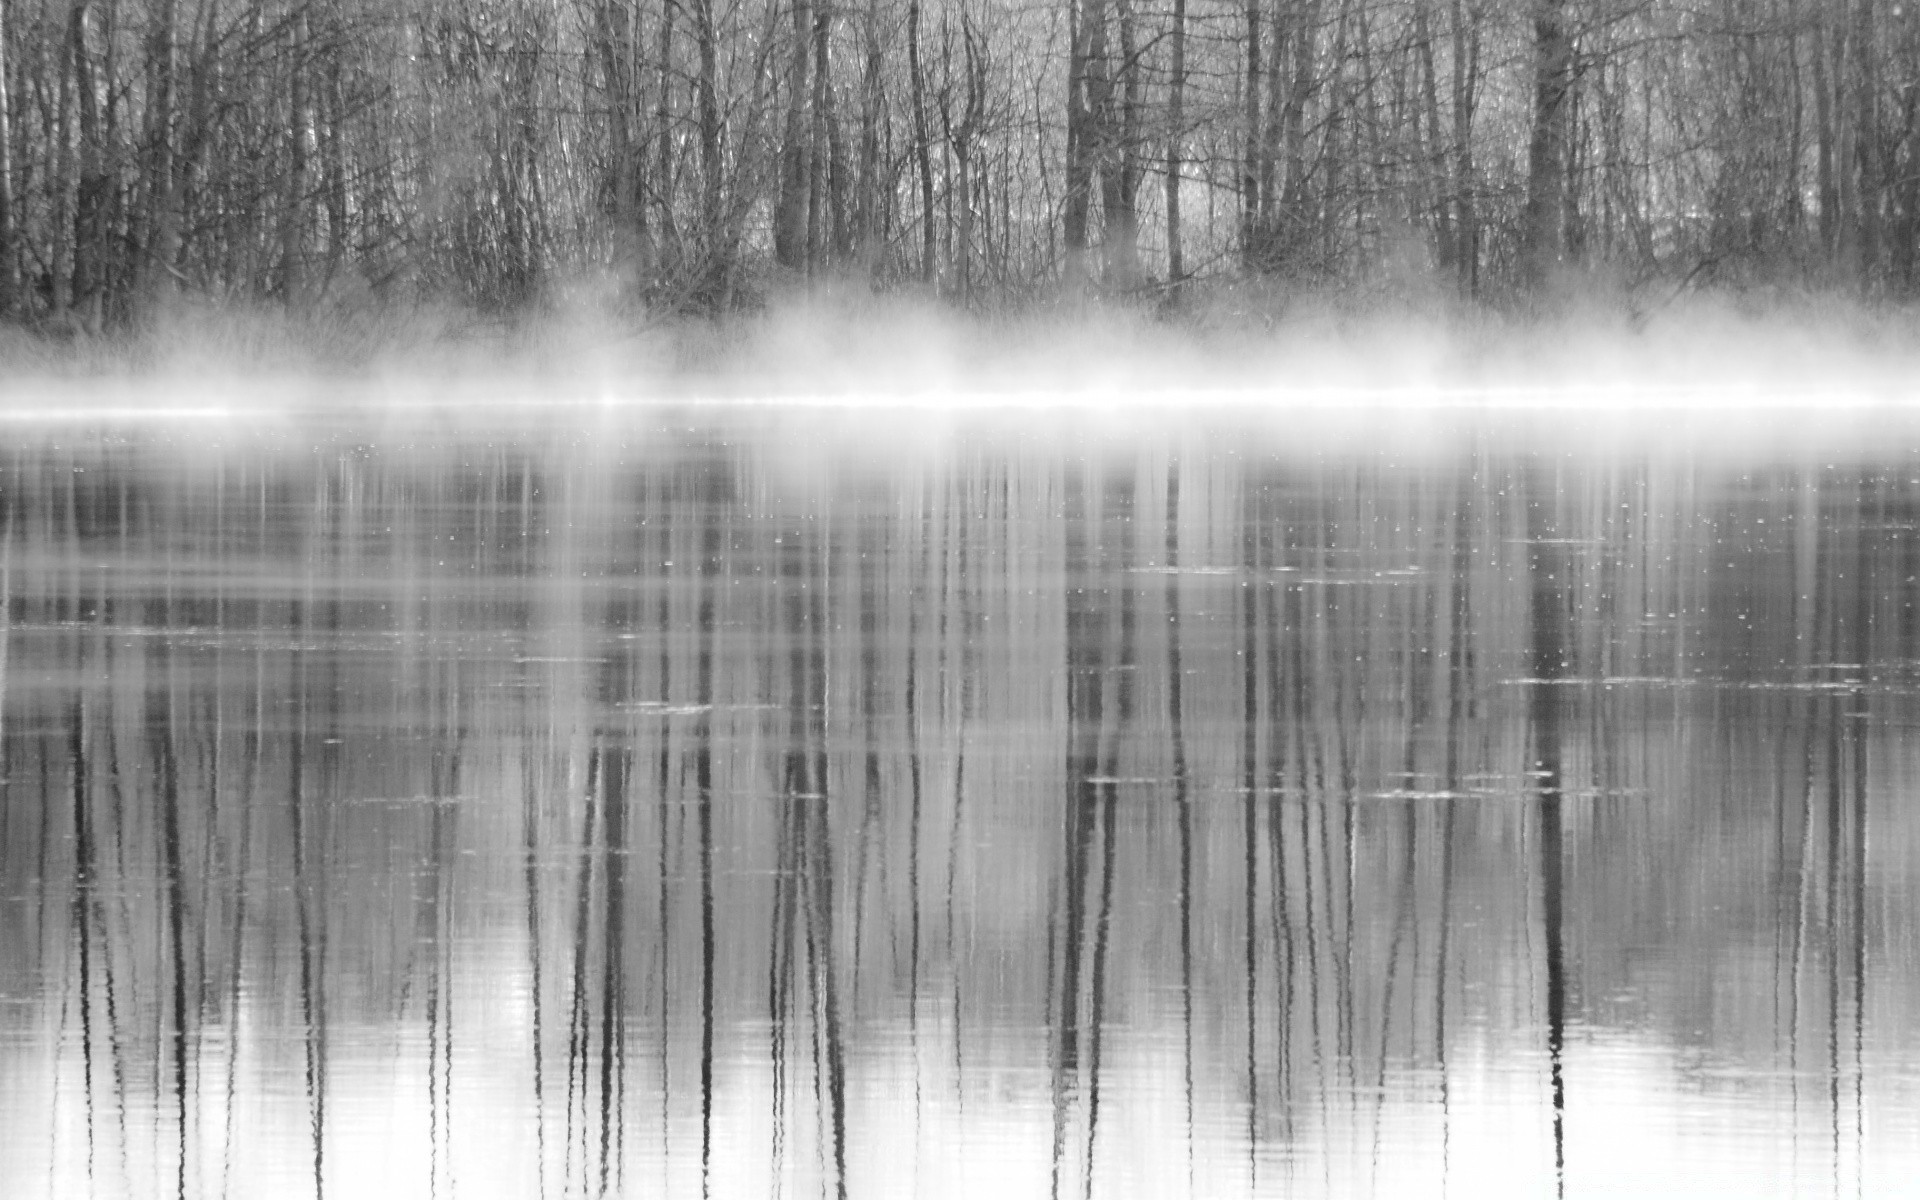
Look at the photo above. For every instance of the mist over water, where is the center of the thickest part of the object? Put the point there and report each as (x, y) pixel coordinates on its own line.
(452, 377)
(753, 801)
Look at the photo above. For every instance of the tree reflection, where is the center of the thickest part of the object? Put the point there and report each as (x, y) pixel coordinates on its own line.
(1172, 821)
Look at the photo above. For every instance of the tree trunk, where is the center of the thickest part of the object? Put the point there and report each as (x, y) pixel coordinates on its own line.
(1824, 154)
(65, 185)
(961, 136)
(1796, 142)
(159, 241)
(1176, 133)
(333, 166)
(293, 195)
(1252, 248)
(922, 140)
(1081, 150)
(614, 37)
(1866, 166)
(1120, 170)
(11, 301)
(796, 152)
(826, 207)
(1906, 196)
(200, 132)
(1337, 147)
(1465, 87)
(92, 188)
(663, 191)
(1432, 155)
(868, 233)
(715, 273)
(1543, 233)
(1293, 136)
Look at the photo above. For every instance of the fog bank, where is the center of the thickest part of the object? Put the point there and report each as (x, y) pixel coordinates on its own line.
(1813, 366)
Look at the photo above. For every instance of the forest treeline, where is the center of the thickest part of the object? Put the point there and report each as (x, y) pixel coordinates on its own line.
(696, 154)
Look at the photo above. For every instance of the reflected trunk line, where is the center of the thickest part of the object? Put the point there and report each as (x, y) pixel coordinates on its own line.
(1312, 813)
(67, 606)
(65, 601)
(1834, 924)
(1278, 596)
(1857, 713)
(1331, 988)
(1783, 863)
(821, 876)
(1828, 626)
(1084, 717)
(1249, 813)
(579, 1020)
(1331, 968)
(8, 504)
(821, 955)
(1458, 682)
(613, 981)
(439, 1002)
(666, 808)
(1803, 903)
(711, 496)
(960, 599)
(1606, 636)
(213, 720)
(312, 998)
(197, 719)
(536, 957)
(1349, 714)
(910, 701)
(810, 806)
(780, 957)
(1908, 591)
(106, 614)
(1857, 866)
(1343, 968)
(1810, 605)
(1182, 800)
(236, 936)
(1406, 930)
(160, 732)
(1109, 796)
(1097, 980)
(872, 814)
(43, 902)
(116, 775)
(81, 905)
(443, 831)
(810, 943)
(792, 915)
(1548, 600)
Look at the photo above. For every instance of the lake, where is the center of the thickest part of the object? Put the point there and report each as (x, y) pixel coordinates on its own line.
(697, 803)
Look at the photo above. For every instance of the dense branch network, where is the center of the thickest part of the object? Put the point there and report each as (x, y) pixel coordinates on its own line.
(694, 154)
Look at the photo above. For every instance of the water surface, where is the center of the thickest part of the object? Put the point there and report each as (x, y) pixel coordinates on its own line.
(677, 808)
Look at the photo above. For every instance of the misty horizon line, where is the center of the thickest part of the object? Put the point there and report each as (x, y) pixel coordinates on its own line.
(1591, 342)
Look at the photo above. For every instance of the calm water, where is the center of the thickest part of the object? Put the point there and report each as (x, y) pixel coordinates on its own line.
(693, 811)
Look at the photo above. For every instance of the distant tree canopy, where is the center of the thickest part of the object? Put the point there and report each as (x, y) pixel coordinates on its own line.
(695, 152)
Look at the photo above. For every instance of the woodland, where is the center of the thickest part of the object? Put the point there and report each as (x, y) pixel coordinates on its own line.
(697, 156)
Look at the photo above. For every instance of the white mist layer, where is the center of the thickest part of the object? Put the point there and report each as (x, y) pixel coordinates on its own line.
(1700, 376)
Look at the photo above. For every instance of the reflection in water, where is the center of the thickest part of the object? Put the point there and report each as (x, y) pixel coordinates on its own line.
(1169, 822)
(1549, 658)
